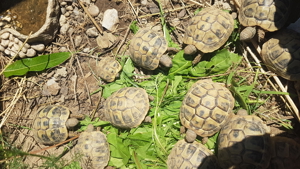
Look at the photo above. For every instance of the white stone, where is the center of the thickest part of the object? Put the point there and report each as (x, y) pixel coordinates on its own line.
(4, 43)
(10, 44)
(86, 1)
(86, 50)
(94, 10)
(7, 52)
(76, 11)
(67, 14)
(15, 47)
(69, 8)
(38, 47)
(13, 53)
(77, 40)
(16, 40)
(27, 45)
(24, 49)
(64, 28)
(63, 49)
(63, 3)
(63, 10)
(92, 32)
(62, 20)
(22, 54)
(30, 52)
(5, 35)
(11, 37)
(2, 48)
(110, 19)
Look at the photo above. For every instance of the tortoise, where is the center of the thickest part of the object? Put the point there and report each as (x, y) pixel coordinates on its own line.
(51, 123)
(205, 109)
(268, 15)
(191, 155)
(281, 54)
(108, 69)
(244, 142)
(94, 148)
(207, 31)
(147, 49)
(285, 153)
(127, 107)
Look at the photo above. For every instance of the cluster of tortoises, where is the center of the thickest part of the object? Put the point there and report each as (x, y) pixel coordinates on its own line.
(243, 141)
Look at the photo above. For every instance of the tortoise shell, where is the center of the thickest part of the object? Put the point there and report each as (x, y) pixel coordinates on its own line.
(147, 47)
(127, 107)
(209, 29)
(281, 54)
(285, 153)
(49, 126)
(191, 155)
(270, 15)
(94, 148)
(108, 69)
(244, 142)
(206, 107)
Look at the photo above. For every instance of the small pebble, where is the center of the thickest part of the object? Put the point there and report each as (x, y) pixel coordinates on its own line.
(62, 20)
(94, 10)
(4, 43)
(77, 40)
(67, 14)
(31, 52)
(86, 50)
(15, 47)
(63, 10)
(63, 3)
(24, 49)
(38, 47)
(22, 54)
(16, 40)
(13, 53)
(5, 35)
(10, 44)
(69, 8)
(2, 48)
(6, 18)
(27, 45)
(76, 11)
(11, 37)
(92, 32)
(64, 28)
(63, 49)
(7, 52)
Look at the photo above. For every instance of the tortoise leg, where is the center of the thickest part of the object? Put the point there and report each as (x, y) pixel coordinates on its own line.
(166, 61)
(261, 35)
(197, 58)
(247, 34)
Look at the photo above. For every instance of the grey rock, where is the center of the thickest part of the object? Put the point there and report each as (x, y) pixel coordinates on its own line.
(76, 11)
(64, 28)
(92, 32)
(63, 10)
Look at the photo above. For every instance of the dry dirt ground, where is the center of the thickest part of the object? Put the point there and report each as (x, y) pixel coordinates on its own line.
(75, 79)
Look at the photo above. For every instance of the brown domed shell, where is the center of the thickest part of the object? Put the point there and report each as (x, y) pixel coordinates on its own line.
(147, 47)
(127, 107)
(281, 54)
(206, 107)
(49, 126)
(270, 15)
(191, 155)
(209, 29)
(244, 142)
(285, 153)
(94, 148)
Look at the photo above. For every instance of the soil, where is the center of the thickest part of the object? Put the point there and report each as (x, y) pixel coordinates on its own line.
(75, 80)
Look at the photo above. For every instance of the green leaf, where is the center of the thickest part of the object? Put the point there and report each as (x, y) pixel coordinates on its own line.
(133, 27)
(219, 63)
(180, 66)
(39, 63)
